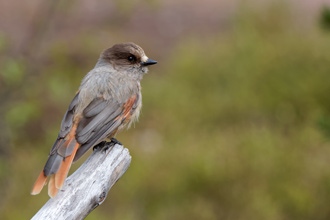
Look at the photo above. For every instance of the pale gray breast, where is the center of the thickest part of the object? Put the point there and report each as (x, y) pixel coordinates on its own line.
(108, 83)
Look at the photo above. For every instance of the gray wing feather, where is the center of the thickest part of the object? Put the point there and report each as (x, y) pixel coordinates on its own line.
(95, 107)
(66, 124)
(58, 152)
(96, 138)
(87, 124)
(100, 119)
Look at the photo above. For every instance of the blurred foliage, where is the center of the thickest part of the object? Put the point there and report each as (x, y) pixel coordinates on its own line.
(234, 125)
(325, 18)
(324, 125)
(12, 72)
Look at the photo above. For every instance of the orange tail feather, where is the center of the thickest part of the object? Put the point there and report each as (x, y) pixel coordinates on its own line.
(39, 184)
(64, 169)
(55, 180)
(52, 190)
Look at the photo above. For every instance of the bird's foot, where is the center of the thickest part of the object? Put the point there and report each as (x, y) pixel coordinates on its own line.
(115, 141)
(102, 145)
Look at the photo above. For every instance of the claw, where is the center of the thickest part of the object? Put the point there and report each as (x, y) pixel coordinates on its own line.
(115, 141)
(100, 145)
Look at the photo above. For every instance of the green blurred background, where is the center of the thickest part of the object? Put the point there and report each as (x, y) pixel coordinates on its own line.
(236, 115)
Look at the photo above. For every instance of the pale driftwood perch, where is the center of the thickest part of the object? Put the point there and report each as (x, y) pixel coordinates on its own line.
(88, 187)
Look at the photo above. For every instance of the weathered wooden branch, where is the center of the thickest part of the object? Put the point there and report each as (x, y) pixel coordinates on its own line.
(88, 187)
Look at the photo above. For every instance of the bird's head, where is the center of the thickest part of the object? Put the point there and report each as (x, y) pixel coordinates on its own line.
(127, 57)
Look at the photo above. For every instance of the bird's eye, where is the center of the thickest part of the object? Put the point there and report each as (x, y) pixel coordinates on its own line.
(131, 58)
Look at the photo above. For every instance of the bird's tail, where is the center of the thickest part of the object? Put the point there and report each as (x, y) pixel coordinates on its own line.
(56, 169)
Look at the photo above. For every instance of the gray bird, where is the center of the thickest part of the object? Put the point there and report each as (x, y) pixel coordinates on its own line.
(109, 99)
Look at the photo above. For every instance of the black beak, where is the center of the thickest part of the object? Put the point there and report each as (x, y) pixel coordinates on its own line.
(148, 62)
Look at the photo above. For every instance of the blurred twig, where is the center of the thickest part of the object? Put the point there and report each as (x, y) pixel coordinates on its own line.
(40, 23)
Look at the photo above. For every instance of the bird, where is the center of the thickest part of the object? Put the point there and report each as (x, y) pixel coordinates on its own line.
(109, 99)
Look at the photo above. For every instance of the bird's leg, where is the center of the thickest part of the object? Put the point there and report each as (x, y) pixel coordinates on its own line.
(110, 144)
(102, 145)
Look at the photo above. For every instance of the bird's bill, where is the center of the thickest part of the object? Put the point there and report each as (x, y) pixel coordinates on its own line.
(148, 62)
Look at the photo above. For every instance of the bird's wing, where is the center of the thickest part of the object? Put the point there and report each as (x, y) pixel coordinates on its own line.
(66, 127)
(102, 118)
